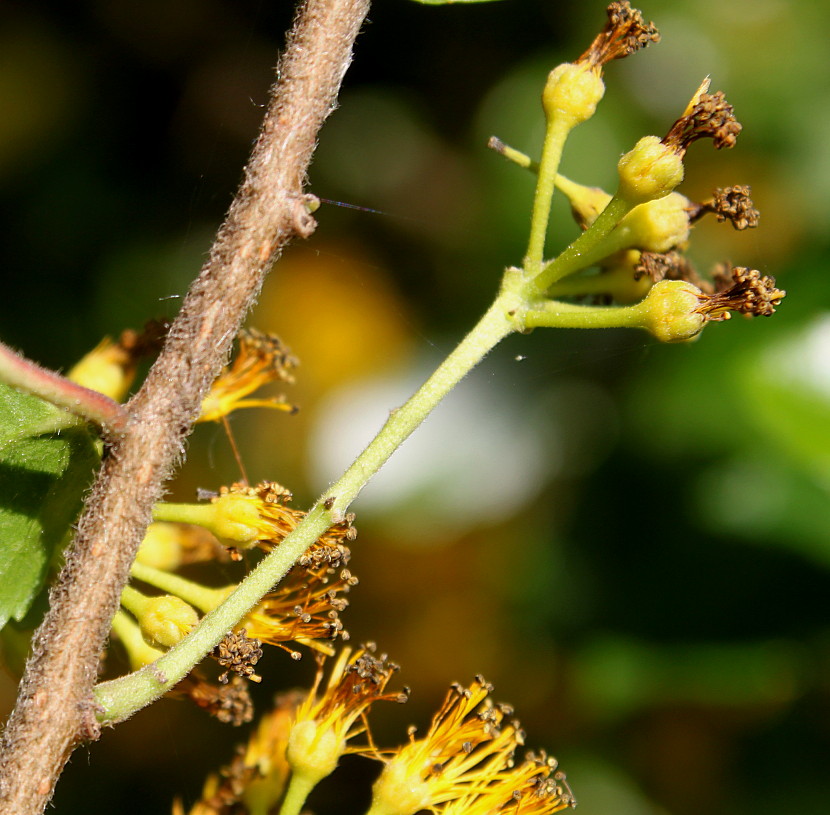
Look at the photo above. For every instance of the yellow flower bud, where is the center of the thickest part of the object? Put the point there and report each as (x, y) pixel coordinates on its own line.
(108, 368)
(656, 226)
(161, 547)
(167, 620)
(649, 170)
(314, 750)
(671, 312)
(572, 93)
(586, 202)
(237, 521)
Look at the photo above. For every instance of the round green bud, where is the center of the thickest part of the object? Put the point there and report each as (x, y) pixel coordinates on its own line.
(670, 311)
(313, 753)
(657, 226)
(648, 171)
(572, 93)
(167, 620)
(161, 547)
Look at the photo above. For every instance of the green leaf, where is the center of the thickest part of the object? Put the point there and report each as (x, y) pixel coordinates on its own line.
(42, 481)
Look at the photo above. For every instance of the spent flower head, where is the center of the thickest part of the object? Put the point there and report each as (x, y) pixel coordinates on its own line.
(229, 703)
(742, 290)
(707, 116)
(625, 33)
(732, 204)
(574, 89)
(256, 777)
(242, 516)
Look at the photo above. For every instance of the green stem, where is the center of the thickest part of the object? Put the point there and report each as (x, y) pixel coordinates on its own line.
(555, 136)
(202, 597)
(586, 250)
(553, 314)
(81, 402)
(298, 790)
(133, 600)
(120, 698)
(129, 633)
(200, 514)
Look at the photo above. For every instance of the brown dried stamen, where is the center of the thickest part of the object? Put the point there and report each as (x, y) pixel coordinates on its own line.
(743, 290)
(625, 33)
(729, 203)
(239, 654)
(707, 116)
(230, 704)
(669, 266)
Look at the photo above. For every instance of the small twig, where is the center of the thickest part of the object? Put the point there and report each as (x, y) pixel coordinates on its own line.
(54, 710)
(90, 405)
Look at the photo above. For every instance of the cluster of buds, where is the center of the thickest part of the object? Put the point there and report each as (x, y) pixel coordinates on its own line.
(629, 260)
(464, 765)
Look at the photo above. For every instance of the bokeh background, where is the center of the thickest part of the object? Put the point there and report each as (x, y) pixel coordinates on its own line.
(632, 542)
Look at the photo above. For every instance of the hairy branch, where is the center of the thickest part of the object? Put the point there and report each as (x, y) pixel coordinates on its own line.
(54, 710)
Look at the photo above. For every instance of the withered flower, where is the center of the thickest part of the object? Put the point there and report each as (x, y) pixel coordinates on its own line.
(230, 703)
(669, 266)
(732, 204)
(625, 33)
(256, 777)
(245, 516)
(262, 358)
(743, 290)
(238, 653)
(706, 116)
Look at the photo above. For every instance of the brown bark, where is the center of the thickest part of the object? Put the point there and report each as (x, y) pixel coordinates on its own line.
(54, 710)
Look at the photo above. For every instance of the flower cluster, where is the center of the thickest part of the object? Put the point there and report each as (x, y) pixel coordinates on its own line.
(626, 267)
(464, 765)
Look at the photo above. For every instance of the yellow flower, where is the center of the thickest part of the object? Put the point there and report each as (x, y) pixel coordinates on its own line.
(468, 746)
(328, 719)
(262, 358)
(304, 609)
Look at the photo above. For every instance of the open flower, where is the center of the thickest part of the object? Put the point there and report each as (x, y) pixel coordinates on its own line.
(328, 718)
(262, 358)
(303, 609)
(469, 745)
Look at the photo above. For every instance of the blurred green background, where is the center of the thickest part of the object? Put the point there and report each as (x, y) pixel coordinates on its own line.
(631, 542)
